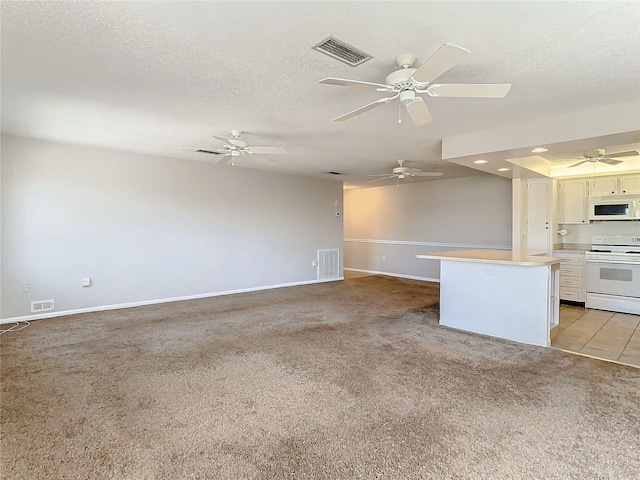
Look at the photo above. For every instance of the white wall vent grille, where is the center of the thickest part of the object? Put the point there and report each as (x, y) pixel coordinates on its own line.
(42, 306)
(342, 51)
(328, 263)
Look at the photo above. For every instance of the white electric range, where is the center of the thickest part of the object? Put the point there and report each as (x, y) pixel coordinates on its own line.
(613, 273)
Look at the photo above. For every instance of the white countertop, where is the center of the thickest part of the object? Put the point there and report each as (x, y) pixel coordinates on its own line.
(572, 247)
(504, 257)
(571, 250)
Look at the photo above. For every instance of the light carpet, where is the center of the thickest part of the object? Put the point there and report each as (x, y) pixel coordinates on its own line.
(341, 380)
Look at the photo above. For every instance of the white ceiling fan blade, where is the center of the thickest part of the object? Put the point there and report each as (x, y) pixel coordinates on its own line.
(360, 110)
(609, 161)
(386, 177)
(445, 58)
(469, 90)
(419, 113)
(267, 150)
(630, 153)
(226, 141)
(343, 82)
(222, 158)
(426, 174)
(579, 163)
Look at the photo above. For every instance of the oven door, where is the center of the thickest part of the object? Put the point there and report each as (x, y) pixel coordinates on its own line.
(613, 278)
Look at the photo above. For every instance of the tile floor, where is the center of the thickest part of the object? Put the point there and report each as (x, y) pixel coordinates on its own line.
(602, 334)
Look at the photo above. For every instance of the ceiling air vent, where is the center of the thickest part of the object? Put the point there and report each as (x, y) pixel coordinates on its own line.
(334, 173)
(342, 51)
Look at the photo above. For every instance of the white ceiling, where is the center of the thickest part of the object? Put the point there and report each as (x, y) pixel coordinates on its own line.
(151, 77)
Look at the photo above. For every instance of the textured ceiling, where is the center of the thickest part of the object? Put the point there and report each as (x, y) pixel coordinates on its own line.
(151, 77)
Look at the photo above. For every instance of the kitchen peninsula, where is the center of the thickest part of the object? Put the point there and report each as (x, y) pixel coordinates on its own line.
(499, 293)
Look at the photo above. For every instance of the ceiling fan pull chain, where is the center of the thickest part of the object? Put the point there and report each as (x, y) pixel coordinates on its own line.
(399, 114)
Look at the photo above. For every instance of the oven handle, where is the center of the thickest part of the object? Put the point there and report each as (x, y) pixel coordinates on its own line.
(619, 262)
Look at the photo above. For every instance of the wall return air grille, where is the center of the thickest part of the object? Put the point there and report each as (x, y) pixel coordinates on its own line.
(342, 51)
(42, 306)
(328, 263)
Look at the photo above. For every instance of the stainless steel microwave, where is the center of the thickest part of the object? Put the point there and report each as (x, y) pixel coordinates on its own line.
(614, 207)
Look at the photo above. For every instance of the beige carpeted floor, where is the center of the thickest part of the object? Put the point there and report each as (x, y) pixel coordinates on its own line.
(351, 379)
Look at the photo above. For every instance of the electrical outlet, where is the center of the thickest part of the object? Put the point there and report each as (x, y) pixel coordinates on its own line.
(86, 282)
(384, 258)
(26, 288)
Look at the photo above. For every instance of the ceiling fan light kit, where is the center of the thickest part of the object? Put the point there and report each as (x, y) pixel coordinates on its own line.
(408, 82)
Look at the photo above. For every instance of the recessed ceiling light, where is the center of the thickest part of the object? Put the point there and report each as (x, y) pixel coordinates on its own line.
(480, 161)
(539, 150)
(504, 169)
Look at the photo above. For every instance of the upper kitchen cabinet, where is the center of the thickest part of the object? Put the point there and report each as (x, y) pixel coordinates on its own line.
(603, 186)
(572, 201)
(629, 184)
(618, 185)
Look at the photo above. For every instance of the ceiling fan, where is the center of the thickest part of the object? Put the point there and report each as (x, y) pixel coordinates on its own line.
(408, 83)
(232, 148)
(402, 172)
(598, 155)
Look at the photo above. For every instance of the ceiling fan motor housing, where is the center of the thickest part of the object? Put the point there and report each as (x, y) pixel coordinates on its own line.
(400, 78)
(594, 153)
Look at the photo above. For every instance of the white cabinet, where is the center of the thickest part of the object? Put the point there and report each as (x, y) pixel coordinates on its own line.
(537, 239)
(603, 186)
(538, 210)
(572, 201)
(537, 202)
(629, 184)
(618, 185)
(572, 268)
(502, 299)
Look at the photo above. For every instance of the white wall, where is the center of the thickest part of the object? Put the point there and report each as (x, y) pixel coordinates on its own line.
(145, 228)
(398, 222)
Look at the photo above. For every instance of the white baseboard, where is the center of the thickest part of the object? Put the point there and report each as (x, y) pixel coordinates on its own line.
(102, 308)
(388, 274)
